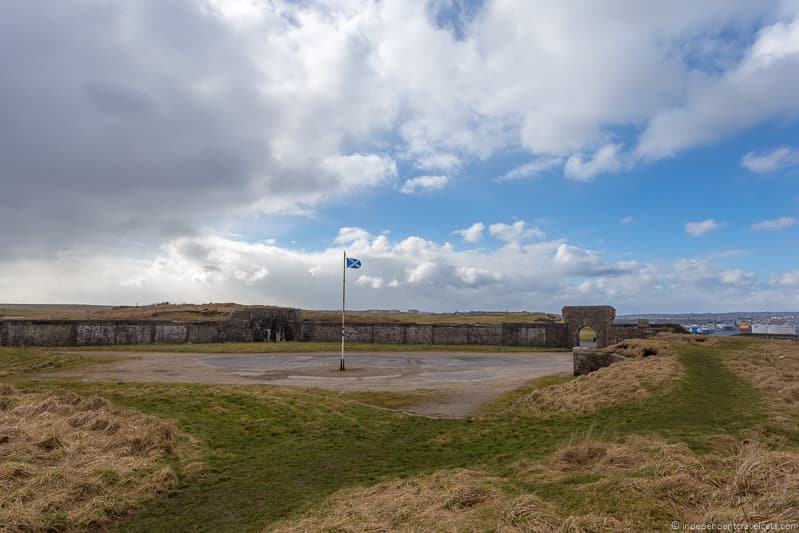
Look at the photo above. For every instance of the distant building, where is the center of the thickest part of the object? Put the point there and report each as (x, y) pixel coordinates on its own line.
(774, 329)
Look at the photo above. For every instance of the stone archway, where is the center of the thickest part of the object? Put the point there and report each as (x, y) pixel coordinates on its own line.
(599, 317)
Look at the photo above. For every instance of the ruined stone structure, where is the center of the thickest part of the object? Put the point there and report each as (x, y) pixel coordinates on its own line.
(542, 334)
(255, 324)
(249, 325)
(598, 317)
(586, 360)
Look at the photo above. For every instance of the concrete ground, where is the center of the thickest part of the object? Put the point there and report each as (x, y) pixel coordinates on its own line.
(464, 381)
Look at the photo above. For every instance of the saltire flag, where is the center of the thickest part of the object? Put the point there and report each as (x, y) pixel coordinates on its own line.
(353, 263)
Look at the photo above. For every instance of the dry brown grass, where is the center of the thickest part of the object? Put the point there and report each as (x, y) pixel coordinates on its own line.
(210, 311)
(626, 380)
(773, 368)
(745, 483)
(634, 485)
(660, 344)
(447, 500)
(220, 311)
(432, 318)
(70, 462)
(651, 365)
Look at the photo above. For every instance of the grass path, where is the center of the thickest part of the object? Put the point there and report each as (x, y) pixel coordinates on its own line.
(275, 452)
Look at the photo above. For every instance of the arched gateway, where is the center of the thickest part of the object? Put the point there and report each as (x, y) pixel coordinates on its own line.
(599, 317)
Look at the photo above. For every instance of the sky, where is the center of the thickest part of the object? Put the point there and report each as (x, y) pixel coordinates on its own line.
(490, 155)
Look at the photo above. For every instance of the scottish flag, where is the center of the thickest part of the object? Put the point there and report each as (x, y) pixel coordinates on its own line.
(353, 263)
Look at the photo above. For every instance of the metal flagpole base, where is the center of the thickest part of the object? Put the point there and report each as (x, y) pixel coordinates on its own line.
(341, 367)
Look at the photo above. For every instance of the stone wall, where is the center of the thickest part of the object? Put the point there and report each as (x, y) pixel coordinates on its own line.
(774, 336)
(544, 334)
(598, 317)
(252, 324)
(587, 360)
(261, 324)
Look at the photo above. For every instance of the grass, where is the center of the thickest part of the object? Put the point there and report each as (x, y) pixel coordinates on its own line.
(40, 313)
(92, 459)
(433, 318)
(221, 311)
(274, 453)
(587, 334)
(20, 361)
(505, 400)
(301, 347)
(394, 400)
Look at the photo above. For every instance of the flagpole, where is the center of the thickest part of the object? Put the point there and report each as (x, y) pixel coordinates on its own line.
(343, 306)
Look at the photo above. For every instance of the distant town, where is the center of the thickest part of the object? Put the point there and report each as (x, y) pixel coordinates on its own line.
(758, 322)
(730, 323)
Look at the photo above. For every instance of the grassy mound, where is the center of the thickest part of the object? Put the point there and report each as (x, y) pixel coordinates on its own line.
(626, 380)
(773, 368)
(652, 364)
(646, 480)
(70, 462)
(591, 485)
(447, 500)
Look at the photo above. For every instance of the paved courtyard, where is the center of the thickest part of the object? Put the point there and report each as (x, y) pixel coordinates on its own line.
(466, 381)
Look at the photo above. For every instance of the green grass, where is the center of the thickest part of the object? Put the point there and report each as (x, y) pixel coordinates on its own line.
(501, 403)
(394, 400)
(273, 453)
(21, 361)
(301, 347)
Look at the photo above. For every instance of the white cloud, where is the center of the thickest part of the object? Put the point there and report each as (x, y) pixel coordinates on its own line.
(736, 276)
(774, 160)
(542, 276)
(697, 229)
(532, 169)
(473, 233)
(424, 183)
(785, 279)
(515, 232)
(279, 107)
(247, 107)
(374, 282)
(439, 161)
(626, 220)
(606, 159)
(761, 86)
(471, 275)
(776, 224)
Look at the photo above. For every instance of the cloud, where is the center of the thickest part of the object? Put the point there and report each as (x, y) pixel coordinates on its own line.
(515, 232)
(606, 159)
(772, 161)
(762, 85)
(245, 109)
(785, 279)
(697, 229)
(776, 224)
(439, 161)
(137, 124)
(626, 220)
(538, 276)
(736, 276)
(473, 233)
(532, 169)
(374, 282)
(424, 183)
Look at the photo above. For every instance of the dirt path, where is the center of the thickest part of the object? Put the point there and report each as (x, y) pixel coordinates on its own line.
(469, 380)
